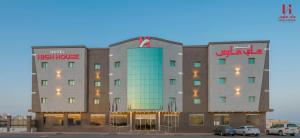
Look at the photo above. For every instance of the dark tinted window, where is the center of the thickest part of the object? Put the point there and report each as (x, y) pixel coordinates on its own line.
(291, 125)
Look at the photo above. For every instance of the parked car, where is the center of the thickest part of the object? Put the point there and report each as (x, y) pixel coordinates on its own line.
(247, 130)
(223, 130)
(283, 129)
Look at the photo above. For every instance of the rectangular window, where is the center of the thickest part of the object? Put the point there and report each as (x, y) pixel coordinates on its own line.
(44, 83)
(251, 99)
(197, 101)
(44, 100)
(97, 66)
(117, 100)
(253, 119)
(44, 65)
(71, 100)
(74, 120)
(196, 119)
(172, 81)
(222, 61)
(251, 60)
(223, 99)
(222, 80)
(172, 63)
(71, 82)
(197, 64)
(71, 64)
(122, 120)
(53, 119)
(251, 80)
(221, 119)
(96, 101)
(97, 83)
(197, 82)
(117, 64)
(117, 82)
(97, 119)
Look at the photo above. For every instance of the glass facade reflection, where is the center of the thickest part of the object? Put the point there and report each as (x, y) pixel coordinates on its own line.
(145, 78)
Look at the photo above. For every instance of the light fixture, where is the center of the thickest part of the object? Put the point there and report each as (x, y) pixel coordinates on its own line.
(98, 75)
(195, 73)
(195, 93)
(97, 92)
(58, 92)
(237, 70)
(58, 73)
(237, 91)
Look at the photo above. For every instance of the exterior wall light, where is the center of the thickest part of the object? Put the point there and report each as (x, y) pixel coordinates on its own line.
(195, 73)
(98, 75)
(237, 70)
(195, 93)
(58, 73)
(237, 91)
(58, 92)
(97, 92)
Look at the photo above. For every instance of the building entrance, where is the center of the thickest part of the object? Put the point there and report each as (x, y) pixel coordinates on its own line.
(145, 122)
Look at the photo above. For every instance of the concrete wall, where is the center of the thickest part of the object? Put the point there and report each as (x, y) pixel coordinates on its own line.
(59, 103)
(171, 51)
(191, 55)
(235, 103)
(98, 56)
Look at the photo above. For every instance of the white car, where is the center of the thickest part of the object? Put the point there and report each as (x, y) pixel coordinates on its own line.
(283, 129)
(247, 130)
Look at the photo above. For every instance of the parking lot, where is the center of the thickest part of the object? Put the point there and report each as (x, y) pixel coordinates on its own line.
(87, 135)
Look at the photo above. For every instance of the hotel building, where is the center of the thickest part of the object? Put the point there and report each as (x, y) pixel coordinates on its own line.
(150, 84)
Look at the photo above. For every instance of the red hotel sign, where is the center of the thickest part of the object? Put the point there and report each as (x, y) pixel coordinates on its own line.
(57, 56)
(249, 51)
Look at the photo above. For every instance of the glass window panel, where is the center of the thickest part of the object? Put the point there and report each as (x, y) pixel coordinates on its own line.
(196, 119)
(71, 64)
(144, 72)
(44, 82)
(44, 65)
(222, 61)
(197, 64)
(251, 80)
(197, 82)
(251, 60)
(97, 66)
(222, 80)
(223, 99)
(197, 101)
(221, 119)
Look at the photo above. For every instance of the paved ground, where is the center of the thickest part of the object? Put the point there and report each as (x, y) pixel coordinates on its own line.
(103, 135)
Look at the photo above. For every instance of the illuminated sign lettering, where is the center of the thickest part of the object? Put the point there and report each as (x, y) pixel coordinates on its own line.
(144, 42)
(248, 51)
(57, 56)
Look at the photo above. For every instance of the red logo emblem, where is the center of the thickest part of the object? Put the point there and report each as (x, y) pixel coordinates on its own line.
(144, 42)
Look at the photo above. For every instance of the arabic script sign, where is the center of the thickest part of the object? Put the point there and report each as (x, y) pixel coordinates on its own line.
(238, 51)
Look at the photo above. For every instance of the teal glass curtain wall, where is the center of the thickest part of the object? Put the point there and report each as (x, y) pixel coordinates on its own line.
(145, 78)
